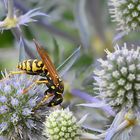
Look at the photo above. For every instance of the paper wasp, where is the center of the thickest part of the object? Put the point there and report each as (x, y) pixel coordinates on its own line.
(47, 70)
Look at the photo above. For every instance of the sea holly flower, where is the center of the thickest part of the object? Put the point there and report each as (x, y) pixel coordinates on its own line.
(62, 124)
(13, 20)
(118, 78)
(123, 126)
(17, 120)
(126, 14)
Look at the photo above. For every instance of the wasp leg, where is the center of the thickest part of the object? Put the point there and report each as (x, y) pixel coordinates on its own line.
(40, 81)
(48, 91)
(13, 73)
(17, 72)
(57, 99)
(45, 98)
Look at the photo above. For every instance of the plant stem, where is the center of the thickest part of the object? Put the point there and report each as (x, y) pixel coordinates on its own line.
(10, 9)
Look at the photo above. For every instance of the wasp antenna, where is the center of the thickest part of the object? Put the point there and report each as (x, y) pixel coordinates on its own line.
(36, 43)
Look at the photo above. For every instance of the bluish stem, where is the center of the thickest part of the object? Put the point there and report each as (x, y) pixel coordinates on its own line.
(83, 95)
(10, 9)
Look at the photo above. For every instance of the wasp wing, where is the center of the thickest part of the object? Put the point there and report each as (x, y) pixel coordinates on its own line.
(48, 63)
(67, 64)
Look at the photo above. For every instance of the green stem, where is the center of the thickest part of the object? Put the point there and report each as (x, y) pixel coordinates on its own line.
(10, 9)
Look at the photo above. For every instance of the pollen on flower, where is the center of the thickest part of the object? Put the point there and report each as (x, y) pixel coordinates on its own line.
(126, 14)
(9, 23)
(122, 83)
(131, 118)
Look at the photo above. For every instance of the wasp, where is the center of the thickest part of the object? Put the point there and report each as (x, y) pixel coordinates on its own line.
(46, 69)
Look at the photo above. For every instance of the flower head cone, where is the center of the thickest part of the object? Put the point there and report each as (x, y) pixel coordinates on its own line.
(62, 125)
(119, 78)
(126, 13)
(17, 121)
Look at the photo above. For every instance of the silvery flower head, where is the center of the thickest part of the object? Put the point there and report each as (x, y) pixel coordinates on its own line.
(17, 121)
(126, 14)
(119, 78)
(62, 125)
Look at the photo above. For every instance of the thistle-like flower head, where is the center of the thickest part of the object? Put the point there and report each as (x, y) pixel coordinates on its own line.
(17, 21)
(126, 14)
(119, 78)
(17, 121)
(14, 20)
(62, 125)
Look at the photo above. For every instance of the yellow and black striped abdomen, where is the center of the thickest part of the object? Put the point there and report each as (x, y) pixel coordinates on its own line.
(34, 66)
